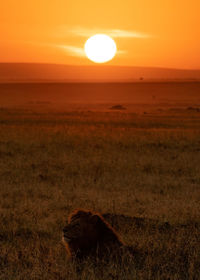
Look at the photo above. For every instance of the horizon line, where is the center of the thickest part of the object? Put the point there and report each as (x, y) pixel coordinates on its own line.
(102, 65)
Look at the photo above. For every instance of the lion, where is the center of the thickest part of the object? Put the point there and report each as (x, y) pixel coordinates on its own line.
(87, 234)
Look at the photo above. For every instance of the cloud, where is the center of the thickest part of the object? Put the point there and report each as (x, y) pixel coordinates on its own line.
(115, 33)
(73, 51)
(88, 32)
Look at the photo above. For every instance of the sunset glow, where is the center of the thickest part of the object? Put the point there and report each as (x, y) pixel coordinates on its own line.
(147, 33)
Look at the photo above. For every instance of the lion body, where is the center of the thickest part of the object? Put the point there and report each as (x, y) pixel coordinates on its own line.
(88, 234)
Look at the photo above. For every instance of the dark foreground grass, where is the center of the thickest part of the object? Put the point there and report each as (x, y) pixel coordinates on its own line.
(123, 165)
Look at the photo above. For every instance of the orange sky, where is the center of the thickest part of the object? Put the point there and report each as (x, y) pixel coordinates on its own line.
(148, 33)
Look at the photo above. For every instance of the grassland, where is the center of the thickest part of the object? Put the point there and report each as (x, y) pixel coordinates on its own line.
(122, 164)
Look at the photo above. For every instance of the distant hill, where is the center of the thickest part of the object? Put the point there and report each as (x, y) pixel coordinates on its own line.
(35, 72)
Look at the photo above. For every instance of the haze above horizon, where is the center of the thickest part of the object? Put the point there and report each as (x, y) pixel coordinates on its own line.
(148, 33)
(33, 72)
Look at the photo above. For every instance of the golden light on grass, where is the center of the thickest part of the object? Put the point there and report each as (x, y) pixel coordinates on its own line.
(100, 48)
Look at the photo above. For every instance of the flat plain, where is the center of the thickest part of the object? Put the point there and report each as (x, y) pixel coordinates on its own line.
(65, 146)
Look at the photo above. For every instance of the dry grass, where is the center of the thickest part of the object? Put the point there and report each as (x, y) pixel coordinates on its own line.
(144, 166)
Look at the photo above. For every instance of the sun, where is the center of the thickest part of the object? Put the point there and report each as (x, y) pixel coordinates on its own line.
(100, 48)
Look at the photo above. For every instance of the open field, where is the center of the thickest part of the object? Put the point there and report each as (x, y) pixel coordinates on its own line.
(139, 166)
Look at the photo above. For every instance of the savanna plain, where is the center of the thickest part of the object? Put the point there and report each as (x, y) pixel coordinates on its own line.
(65, 146)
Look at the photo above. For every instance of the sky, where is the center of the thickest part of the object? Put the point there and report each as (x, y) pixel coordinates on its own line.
(148, 33)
